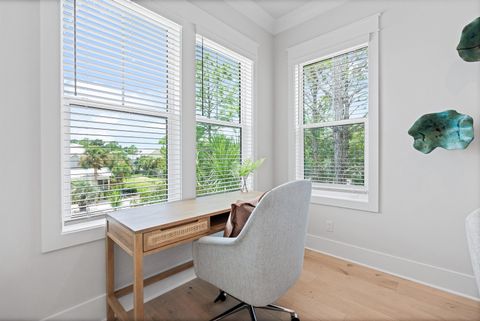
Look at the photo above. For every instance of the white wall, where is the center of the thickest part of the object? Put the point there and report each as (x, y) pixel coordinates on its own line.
(70, 283)
(424, 199)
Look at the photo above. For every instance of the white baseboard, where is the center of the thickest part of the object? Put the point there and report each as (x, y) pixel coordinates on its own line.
(90, 310)
(94, 309)
(443, 279)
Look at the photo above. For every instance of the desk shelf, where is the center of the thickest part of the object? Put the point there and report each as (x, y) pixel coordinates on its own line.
(217, 222)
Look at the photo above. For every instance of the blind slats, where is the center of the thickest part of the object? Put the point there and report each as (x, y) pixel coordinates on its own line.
(121, 114)
(332, 107)
(113, 10)
(223, 108)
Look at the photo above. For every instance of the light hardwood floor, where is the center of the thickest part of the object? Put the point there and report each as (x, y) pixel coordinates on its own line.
(328, 289)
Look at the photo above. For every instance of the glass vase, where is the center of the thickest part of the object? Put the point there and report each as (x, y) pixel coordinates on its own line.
(243, 184)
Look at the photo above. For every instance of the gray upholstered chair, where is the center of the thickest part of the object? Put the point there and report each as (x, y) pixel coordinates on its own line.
(266, 258)
(472, 225)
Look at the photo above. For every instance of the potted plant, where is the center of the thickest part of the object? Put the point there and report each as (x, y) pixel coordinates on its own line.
(245, 169)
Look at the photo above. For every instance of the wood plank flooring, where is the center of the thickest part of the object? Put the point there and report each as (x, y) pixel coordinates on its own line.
(329, 289)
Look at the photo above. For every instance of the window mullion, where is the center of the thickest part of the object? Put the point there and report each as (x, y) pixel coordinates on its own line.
(217, 122)
(127, 109)
(336, 123)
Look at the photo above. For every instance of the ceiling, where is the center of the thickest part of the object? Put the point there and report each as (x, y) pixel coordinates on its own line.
(276, 16)
(279, 8)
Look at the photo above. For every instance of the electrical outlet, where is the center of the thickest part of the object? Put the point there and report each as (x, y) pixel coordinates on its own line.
(330, 226)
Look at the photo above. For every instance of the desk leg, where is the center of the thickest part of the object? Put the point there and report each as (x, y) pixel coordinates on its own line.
(138, 278)
(110, 258)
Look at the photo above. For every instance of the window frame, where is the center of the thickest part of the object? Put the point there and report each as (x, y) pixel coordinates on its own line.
(353, 36)
(54, 235)
(246, 120)
(301, 126)
(173, 131)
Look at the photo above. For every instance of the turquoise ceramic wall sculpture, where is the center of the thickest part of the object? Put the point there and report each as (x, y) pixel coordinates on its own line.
(469, 46)
(447, 129)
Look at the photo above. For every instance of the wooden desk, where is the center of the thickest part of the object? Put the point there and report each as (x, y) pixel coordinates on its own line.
(146, 230)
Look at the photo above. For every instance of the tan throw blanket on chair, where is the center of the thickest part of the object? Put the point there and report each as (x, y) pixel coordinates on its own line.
(239, 215)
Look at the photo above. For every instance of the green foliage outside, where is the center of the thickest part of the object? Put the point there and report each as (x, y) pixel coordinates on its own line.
(135, 178)
(217, 157)
(95, 155)
(83, 193)
(115, 197)
(335, 89)
(319, 160)
(149, 189)
(218, 93)
(218, 147)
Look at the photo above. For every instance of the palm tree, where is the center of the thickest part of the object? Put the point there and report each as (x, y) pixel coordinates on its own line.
(95, 157)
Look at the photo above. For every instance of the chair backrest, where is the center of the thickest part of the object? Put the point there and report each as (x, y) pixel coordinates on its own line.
(273, 240)
(472, 225)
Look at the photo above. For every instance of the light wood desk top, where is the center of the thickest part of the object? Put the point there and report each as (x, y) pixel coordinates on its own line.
(147, 230)
(145, 218)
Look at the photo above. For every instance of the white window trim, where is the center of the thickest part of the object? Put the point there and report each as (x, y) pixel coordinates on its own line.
(353, 35)
(51, 107)
(52, 236)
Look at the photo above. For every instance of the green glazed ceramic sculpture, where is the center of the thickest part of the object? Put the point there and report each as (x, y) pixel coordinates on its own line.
(469, 46)
(447, 129)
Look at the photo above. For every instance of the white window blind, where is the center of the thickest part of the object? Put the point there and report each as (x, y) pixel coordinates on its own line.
(121, 93)
(332, 109)
(224, 116)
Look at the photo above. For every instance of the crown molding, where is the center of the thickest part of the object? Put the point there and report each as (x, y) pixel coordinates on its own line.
(254, 12)
(262, 18)
(304, 13)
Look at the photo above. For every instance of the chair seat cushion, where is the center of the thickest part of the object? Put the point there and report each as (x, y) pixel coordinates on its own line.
(239, 214)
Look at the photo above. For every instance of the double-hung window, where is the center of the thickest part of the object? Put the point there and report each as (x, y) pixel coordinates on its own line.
(336, 115)
(224, 116)
(121, 110)
(333, 115)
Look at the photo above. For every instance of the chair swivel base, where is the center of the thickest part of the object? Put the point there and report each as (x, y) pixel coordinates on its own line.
(251, 309)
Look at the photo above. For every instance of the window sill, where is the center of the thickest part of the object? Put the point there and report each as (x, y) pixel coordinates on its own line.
(84, 226)
(345, 199)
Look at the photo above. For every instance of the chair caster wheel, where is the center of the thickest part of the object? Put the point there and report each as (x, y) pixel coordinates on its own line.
(295, 319)
(222, 296)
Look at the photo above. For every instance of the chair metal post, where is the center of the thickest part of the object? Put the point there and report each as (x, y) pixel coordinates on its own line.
(252, 313)
(230, 311)
(251, 309)
(278, 308)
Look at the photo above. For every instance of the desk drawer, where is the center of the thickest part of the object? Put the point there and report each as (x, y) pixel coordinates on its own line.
(159, 238)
